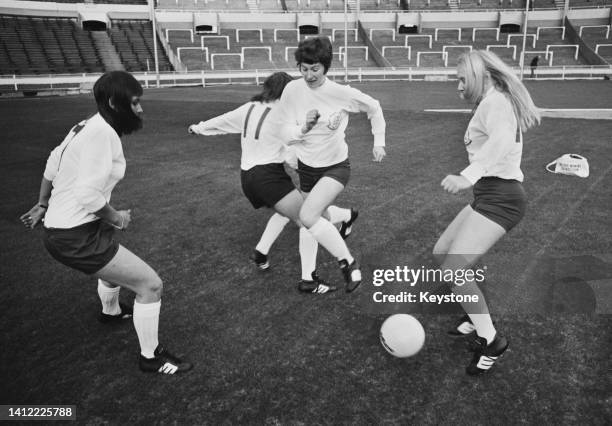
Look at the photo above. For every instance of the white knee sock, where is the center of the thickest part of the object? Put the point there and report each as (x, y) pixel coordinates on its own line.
(146, 323)
(338, 214)
(328, 236)
(308, 253)
(275, 226)
(109, 296)
(484, 326)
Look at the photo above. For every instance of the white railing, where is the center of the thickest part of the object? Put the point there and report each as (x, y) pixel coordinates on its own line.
(83, 82)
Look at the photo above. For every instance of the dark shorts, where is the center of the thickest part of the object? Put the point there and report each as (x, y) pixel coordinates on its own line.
(501, 200)
(87, 248)
(266, 185)
(309, 176)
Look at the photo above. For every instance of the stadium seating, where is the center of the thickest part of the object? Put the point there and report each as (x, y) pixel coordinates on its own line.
(99, 1)
(41, 45)
(133, 40)
(46, 45)
(216, 5)
(254, 50)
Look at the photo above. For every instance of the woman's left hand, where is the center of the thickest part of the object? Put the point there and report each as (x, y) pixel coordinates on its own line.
(33, 217)
(379, 153)
(454, 183)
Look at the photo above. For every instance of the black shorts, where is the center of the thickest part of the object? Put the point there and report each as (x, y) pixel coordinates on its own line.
(266, 185)
(501, 200)
(309, 176)
(87, 247)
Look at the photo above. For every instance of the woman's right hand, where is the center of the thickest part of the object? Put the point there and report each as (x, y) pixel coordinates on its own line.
(34, 216)
(125, 217)
(312, 117)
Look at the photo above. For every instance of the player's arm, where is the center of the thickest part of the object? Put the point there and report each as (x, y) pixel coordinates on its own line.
(365, 103)
(36, 214)
(230, 122)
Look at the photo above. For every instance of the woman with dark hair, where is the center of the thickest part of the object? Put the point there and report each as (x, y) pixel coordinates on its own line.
(79, 222)
(264, 179)
(321, 107)
(494, 143)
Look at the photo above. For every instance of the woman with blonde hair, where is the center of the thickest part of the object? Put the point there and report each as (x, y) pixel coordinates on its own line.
(494, 142)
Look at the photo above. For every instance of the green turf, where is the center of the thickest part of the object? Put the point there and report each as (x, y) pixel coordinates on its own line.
(266, 354)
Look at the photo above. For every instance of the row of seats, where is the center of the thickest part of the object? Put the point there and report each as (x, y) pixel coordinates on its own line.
(99, 1)
(34, 45)
(262, 49)
(366, 5)
(58, 45)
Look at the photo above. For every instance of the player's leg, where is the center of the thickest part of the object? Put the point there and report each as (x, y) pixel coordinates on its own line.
(444, 242)
(112, 310)
(129, 271)
(476, 235)
(290, 206)
(273, 229)
(316, 203)
(344, 217)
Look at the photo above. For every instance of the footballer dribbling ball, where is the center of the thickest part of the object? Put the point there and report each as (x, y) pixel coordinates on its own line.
(402, 335)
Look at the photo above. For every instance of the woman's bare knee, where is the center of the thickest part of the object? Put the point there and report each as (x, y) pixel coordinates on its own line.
(308, 218)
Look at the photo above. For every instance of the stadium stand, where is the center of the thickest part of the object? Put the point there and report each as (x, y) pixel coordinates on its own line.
(253, 48)
(133, 40)
(212, 5)
(46, 45)
(99, 1)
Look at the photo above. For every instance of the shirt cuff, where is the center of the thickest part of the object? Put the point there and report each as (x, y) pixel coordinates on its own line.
(379, 139)
(49, 176)
(473, 172)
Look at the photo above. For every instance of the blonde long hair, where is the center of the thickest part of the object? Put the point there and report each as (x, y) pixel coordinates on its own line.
(476, 64)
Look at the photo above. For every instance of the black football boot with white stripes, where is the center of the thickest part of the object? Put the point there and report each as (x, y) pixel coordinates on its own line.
(351, 273)
(347, 227)
(464, 327)
(126, 314)
(260, 260)
(316, 285)
(164, 362)
(486, 355)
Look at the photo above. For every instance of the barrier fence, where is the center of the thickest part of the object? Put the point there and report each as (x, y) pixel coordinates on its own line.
(83, 82)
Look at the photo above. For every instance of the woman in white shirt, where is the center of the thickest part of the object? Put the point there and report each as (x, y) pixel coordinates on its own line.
(263, 177)
(494, 144)
(79, 222)
(314, 112)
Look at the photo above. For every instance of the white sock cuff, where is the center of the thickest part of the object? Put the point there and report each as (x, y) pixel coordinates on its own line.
(338, 214)
(280, 218)
(104, 289)
(147, 309)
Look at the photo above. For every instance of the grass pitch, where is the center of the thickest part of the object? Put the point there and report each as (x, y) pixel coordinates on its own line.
(266, 354)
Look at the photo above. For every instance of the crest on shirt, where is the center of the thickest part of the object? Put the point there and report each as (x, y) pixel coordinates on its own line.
(335, 119)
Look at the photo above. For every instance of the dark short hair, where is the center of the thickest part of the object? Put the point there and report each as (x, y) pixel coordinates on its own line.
(313, 50)
(119, 87)
(273, 87)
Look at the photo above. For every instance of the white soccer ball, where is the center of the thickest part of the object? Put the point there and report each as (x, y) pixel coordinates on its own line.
(402, 335)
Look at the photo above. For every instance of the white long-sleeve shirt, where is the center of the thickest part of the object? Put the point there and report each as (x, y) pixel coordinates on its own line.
(84, 169)
(260, 139)
(491, 140)
(325, 145)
